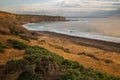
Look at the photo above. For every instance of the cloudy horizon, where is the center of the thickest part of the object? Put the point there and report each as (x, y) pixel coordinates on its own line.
(67, 8)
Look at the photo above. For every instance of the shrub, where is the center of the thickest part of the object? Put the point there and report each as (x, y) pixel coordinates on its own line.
(42, 41)
(15, 65)
(108, 61)
(28, 76)
(61, 48)
(17, 44)
(2, 47)
(24, 37)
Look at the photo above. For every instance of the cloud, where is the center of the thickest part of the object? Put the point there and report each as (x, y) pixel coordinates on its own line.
(67, 6)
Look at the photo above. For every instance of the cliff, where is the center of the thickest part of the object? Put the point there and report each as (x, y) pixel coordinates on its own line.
(11, 23)
(38, 18)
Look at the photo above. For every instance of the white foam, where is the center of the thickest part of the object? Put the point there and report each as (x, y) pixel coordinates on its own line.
(73, 33)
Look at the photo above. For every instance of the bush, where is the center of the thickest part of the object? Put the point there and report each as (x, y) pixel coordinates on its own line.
(2, 48)
(17, 44)
(24, 37)
(61, 48)
(15, 65)
(28, 76)
(108, 61)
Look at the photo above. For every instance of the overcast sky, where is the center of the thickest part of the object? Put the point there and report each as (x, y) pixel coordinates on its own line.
(74, 8)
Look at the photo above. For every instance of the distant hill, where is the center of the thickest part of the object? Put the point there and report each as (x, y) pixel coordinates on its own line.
(11, 23)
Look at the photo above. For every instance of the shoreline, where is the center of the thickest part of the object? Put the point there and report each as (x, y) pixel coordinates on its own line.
(104, 45)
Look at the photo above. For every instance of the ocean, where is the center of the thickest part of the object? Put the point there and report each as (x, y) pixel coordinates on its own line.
(100, 29)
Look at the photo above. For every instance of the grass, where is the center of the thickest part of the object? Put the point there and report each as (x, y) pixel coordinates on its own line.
(41, 64)
(17, 44)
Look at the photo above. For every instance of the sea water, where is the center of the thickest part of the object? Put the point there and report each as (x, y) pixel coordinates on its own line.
(87, 28)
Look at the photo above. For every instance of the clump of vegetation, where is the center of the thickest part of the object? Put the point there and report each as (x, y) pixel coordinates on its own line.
(108, 61)
(41, 41)
(89, 55)
(61, 48)
(41, 64)
(24, 37)
(2, 47)
(17, 44)
(28, 76)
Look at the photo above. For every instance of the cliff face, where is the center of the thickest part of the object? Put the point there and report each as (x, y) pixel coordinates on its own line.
(38, 18)
(32, 18)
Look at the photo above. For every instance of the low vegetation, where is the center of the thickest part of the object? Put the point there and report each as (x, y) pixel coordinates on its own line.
(24, 37)
(94, 57)
(89, 55)
(41, 64)
(61, 48)
(41, 41)
(17, 44)
(2, 47)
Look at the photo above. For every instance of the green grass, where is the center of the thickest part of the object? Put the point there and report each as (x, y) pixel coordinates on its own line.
(17, 44)
(41, 64)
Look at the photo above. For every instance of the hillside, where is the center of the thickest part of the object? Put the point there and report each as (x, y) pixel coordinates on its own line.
(15, 20)
(22, 56)
(38, 18)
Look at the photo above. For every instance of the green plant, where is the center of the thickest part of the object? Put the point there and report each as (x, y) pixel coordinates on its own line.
(17, 44)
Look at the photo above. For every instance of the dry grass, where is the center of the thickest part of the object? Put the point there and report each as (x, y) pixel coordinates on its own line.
(101, 63)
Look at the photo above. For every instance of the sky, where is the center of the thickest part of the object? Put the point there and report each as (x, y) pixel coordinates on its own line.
(67, 8)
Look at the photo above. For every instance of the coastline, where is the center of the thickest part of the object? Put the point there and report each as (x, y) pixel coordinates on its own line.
(104, 45)
(93, 54)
